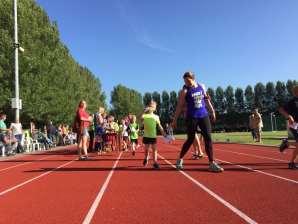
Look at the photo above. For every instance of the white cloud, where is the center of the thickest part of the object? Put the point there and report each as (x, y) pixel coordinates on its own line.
(138, 28)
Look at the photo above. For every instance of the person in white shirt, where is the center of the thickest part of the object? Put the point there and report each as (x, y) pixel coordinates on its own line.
(17, 131)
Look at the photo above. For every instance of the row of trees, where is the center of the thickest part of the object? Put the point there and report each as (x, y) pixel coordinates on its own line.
(51, 81)
(232, 106)
(265, 97)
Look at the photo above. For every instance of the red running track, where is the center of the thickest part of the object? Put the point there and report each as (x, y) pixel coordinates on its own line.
(54, 187)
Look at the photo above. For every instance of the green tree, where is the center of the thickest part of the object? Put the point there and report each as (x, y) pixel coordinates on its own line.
(51, 82)
(290, 84)
(270, 104)
(156, 98)
(165, 107)
(125, 101)
(173, 103)
(239, 100)
(230, 100)
(249, 99)
(220, 103)
(147, 98)
(281, 92)
(260, 92)
(211, 93)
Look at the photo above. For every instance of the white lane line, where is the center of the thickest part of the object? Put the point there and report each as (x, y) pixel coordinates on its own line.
(217, 197)
(259, 171)
(267, 150)
(259, 149)
(100, 194)
(260, 157)
(25, 163)
(35, 178)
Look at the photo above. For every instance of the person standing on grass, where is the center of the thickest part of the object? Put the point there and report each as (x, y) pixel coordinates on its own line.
(197, 102)
(84, 120)
(252, 127)
(133, 134)
(290, 112)
(150, 122)
(257, 124)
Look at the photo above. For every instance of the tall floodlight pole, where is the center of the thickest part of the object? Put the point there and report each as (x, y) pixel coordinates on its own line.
(271, 115)
(275, 122)
(16, 51)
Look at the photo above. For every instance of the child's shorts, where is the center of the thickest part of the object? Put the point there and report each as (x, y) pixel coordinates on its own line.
(134, 141)
(147, 141)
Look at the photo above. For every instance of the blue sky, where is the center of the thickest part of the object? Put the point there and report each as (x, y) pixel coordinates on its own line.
(148, 44)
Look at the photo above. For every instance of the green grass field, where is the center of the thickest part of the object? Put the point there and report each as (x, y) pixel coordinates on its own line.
(268, 137)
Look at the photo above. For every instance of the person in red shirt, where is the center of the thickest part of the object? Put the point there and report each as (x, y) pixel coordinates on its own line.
(84, 120)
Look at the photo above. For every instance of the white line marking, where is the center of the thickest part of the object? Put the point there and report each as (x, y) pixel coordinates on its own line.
(259, 171)
(261, 148)
(254, 170)
(99, 196)
(25, 163)
(217, 197)
(35, 178)
(260, 157)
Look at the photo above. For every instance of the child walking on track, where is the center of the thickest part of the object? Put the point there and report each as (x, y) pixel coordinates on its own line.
(150, 122)
(133, 134)
(290, 112)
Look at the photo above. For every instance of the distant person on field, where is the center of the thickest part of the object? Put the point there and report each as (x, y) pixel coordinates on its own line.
(290, 112)
(252, 127)
(257, 124)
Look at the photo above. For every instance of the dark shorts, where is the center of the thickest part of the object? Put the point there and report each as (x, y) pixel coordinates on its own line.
(149, 140)
(134, 141)
(294, 133)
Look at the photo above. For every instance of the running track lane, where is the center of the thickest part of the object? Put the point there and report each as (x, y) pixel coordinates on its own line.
(7, 163)
(272, 163)
(267, 159)
(138, 194)
(263, 198)
(17, 175)
(63, 196)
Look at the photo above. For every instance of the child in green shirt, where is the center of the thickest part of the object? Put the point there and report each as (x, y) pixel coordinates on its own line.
(150, 122)
(133, 134)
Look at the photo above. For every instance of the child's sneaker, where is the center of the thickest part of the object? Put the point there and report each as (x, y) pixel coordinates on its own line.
(214, 167)
(156, 166)
(197, 156)
(284, 144)
(179, 164)
(293, 166)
